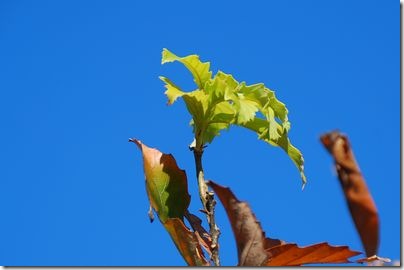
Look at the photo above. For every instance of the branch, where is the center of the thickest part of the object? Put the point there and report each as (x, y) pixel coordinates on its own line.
(208, 202)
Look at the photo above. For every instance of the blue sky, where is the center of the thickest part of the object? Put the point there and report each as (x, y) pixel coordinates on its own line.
(78, 78)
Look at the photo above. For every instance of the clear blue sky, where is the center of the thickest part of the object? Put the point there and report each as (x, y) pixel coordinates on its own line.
(78, 78)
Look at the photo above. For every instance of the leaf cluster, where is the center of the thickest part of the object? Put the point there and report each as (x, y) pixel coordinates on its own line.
(221, 101)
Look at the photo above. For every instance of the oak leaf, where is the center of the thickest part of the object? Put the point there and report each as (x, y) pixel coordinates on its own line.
(255, 249)
(292, 255)
(220, 101)
(360, 202)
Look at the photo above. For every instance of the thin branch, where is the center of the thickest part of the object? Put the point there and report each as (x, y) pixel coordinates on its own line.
(208, 202)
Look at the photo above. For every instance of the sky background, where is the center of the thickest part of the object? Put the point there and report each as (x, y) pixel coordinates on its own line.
(78, 78)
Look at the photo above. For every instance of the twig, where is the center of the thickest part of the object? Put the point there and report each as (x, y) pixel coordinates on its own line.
(208, 202)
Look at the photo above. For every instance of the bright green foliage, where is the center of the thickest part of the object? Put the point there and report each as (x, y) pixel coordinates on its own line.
(221, 101)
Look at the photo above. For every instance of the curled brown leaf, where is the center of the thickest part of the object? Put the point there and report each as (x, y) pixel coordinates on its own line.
(360, 202)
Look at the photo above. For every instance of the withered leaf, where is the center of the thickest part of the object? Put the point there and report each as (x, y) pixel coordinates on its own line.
(360, 202)
(166, 183)
(292, 255)
(186, 242)
(250, 238)
(254, 249)
(203, 236)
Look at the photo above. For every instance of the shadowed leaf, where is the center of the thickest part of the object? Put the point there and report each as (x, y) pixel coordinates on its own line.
(166, 184)
(360, 202)
(254, 249)
(186, 242)
(203, 236)
(250, 238)
(167, 189)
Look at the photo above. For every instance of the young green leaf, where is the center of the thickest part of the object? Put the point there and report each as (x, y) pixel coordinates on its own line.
(200, 71)
(260, 126)
(222, 101)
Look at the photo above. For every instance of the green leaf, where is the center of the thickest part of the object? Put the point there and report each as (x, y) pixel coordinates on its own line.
(166, 184)
(223, 113)
(275, 130)
(246, 110)
(173, 92)
(260, 126)
(200, 71)
(197, 106)
(222, 87)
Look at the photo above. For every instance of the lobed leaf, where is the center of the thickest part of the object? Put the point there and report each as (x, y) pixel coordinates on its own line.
(200, 71)
(293, 255)
(260, 126)
(173, 92)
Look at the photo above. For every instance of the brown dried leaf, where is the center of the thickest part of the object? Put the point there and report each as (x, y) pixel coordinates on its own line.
(254, 249)
(292, 255)
(203, 236)
(360, 202)
(247, 230)
(186, 242)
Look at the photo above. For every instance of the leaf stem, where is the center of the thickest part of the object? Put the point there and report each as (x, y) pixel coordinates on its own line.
(208, 202)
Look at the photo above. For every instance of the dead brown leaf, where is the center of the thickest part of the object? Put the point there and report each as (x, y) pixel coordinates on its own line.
(186, 242)
(360, 202)
(292, 255)
(203, 236)
(249, 235)
(254, 249)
